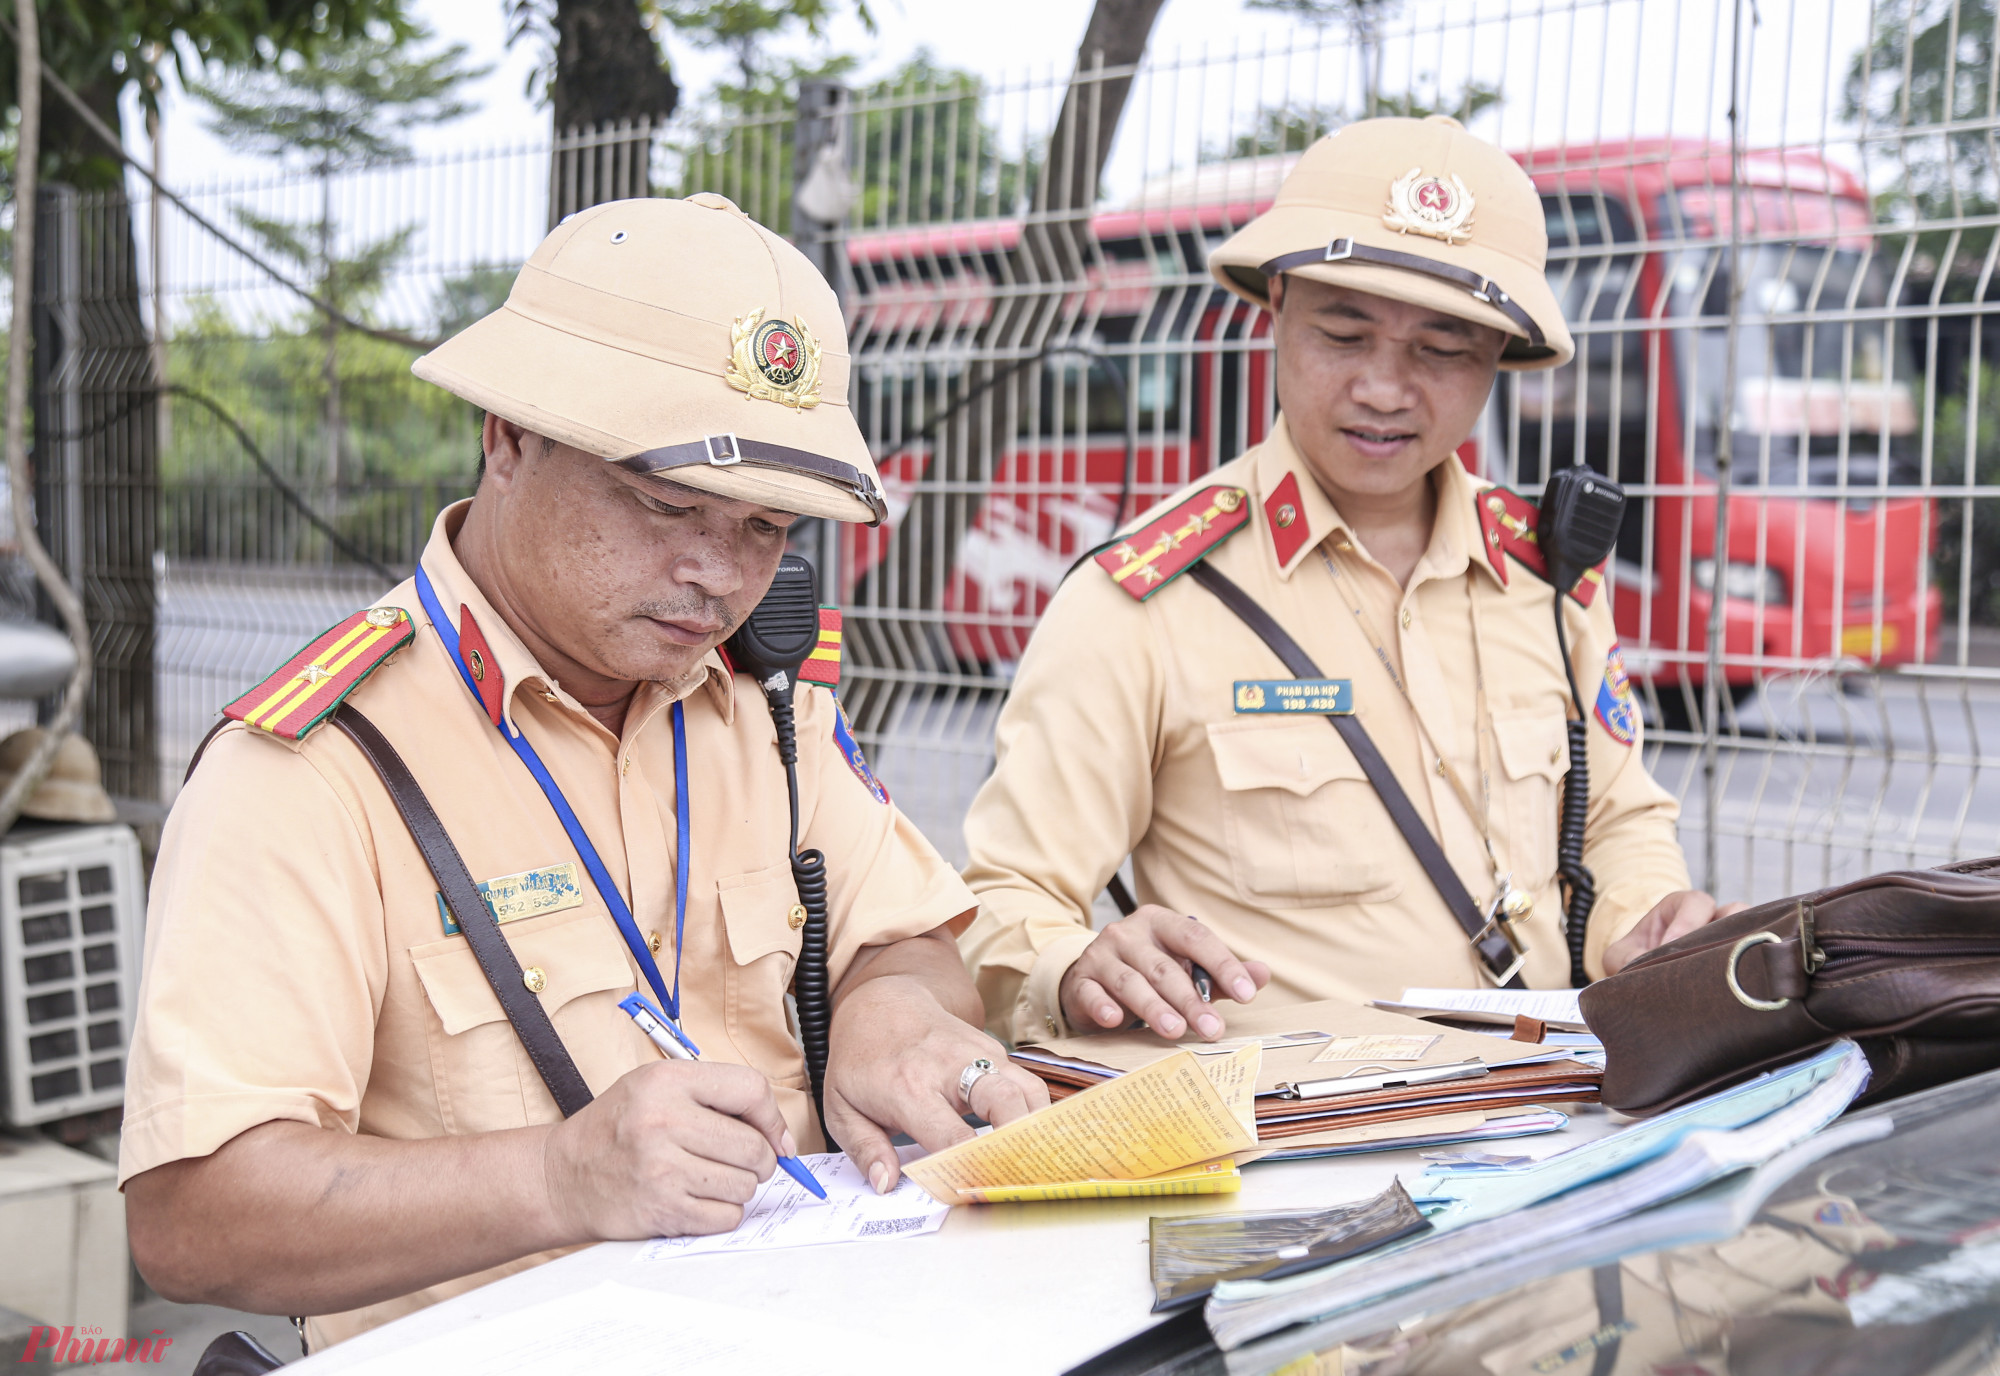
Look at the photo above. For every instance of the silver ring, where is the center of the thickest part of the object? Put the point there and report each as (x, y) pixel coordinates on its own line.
(969, 1077)
(1736, 987)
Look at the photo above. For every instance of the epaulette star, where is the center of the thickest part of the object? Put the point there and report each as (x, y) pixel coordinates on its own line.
(1176, 540)
(318, 679)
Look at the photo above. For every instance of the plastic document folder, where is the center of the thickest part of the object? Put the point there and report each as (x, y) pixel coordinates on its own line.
(1566, 1207)
(1427, 1070)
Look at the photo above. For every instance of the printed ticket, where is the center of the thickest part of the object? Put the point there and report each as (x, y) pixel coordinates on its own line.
(1378, 1047)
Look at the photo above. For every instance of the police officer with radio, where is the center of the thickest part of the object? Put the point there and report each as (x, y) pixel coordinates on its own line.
(1332, 697)
(407, 894)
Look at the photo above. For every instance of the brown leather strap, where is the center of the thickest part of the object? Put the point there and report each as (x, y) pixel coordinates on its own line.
(1482, 288)
(727, 451)
(1495, 951)
(475, 919)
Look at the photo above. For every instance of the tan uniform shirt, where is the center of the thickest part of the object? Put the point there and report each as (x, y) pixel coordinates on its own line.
(1120, 737)
(297, 967)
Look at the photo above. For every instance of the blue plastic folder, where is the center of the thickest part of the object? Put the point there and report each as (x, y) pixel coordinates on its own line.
(1464, 1194)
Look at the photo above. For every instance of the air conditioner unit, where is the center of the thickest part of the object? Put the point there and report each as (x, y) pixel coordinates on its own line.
(71, 911)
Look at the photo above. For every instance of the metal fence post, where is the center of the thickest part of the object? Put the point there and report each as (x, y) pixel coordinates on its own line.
(821, 196)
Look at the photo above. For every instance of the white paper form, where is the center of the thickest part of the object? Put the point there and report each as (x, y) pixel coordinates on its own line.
(621, 1330)
(783, 1214)
(1553, 1006)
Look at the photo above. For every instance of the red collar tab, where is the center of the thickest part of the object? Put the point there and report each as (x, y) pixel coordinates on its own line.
(318, 679)
(480, 663)
(823, 664)
(1176, 540)
(1285, 516)
(1507, 527)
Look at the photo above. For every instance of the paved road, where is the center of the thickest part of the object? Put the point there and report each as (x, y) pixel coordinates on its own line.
(1824, 780)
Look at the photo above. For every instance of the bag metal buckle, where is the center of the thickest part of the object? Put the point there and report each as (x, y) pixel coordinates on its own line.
(723, 449)
(1736, 985)
(1498, 922)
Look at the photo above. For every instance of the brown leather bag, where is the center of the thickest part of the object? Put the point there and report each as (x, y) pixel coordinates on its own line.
(1906, 963)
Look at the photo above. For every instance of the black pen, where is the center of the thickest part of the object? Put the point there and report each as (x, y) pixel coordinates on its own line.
(1204, 983)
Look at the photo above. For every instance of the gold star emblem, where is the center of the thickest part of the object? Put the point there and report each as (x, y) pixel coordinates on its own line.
(1127, 553)
(1150, 574)
(313, 673)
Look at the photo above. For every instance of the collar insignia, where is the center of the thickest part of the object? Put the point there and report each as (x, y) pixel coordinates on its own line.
(1432, 206)
(774, 360)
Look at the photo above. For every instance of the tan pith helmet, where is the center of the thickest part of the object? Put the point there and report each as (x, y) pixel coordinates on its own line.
(74, 788)
(1416, 210)
(679, 338)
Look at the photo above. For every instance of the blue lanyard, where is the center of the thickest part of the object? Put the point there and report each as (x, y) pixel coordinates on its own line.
(621, 913)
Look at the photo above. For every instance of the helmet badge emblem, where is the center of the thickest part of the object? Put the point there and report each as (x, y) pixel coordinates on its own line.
(774, 360)
(1437, 207)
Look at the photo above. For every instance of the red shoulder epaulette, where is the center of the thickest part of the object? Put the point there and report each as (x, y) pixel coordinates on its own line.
(1176, 540)
(823, 664)
(318, 678)
(1507, 521)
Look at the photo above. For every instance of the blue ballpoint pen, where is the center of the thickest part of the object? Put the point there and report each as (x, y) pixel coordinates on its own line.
(662, 1032)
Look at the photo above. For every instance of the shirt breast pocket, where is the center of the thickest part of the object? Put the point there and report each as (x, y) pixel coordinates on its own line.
(485, 1081)
(764, 944)
(1302, 823)
(1534, 755)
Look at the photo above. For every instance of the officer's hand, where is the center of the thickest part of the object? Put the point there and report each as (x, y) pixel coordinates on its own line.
(1139, 966)
(675, 1147)
(1673, 916)
(894, 1058)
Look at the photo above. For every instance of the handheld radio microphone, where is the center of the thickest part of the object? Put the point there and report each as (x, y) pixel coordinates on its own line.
(1577, 529)
(773, 641)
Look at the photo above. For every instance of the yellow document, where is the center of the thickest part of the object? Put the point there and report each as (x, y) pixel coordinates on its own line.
(1157, 1119)
(1210, 1177)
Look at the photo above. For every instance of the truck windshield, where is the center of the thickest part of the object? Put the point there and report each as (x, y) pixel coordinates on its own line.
(1823, 391)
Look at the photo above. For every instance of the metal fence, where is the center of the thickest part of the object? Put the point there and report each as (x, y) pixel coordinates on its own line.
(1780, 302)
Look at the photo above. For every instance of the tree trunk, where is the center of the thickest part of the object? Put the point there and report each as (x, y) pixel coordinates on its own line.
(607, 66)
(609, 72)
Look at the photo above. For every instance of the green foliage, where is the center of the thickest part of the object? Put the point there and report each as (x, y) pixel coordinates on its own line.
(744, 27)
(274, 383)
(923, 152)
(1928, 65)
(1476, 97)
(100, 46)
(1286, 128)
(1961, 426)
(1322, 14)
(1293, 128)
(352, 106)
(462, 300)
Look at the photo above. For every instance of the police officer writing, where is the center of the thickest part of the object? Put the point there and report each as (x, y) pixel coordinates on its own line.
(354, 1093)
(1164, 697)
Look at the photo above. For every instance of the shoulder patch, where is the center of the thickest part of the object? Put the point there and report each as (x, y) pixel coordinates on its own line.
(318, 678)
(1617, 711)
(843, 737)
(823, 664)
(1176, 540)
(1507, 523)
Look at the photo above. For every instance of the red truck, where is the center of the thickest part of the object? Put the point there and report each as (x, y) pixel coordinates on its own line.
(1829, 540)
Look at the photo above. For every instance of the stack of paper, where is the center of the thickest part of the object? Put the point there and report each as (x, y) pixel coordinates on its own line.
(1169, 1128)
(1503, 1238)
(1309, 1049)
(1558, 1008)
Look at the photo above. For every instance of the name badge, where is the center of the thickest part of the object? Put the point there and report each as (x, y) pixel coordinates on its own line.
(1318, 696)
(527, 894)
